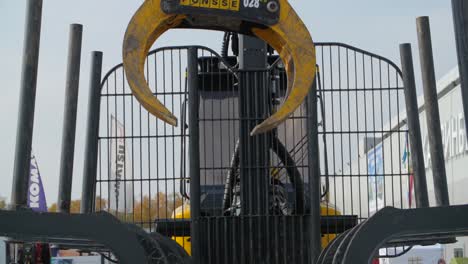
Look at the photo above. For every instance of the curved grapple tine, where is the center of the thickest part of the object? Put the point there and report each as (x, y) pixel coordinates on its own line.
(289, 37)
(146, 26)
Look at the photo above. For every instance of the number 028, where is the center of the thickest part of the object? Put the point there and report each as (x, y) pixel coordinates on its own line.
(252, 3)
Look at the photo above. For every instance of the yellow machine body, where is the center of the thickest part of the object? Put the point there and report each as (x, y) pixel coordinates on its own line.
(183, 212)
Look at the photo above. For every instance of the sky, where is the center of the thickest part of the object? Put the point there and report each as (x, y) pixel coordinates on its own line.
(374, 25)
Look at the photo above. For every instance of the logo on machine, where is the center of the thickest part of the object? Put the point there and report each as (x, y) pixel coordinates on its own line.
(231, 5)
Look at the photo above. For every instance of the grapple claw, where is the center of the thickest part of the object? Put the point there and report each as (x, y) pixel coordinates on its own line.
(273, 21)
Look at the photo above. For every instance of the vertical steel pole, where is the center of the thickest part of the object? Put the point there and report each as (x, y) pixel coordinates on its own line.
(253, 109)
(24, 132)
(414, 127)
(314, 173)
(432, 112)
(194, 152)
(92, 134)
(69, 118)
(460, 19)
(7, 253)
(253, 150)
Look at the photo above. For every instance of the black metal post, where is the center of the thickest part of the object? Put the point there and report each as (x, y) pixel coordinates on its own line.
(414, 126)
(7, 252)
(460, 20)
(253, 150)
(24, 132)
(432, 112)
(253, 109)
(194, 152)
(314, 174)
(69, 118)
(92, 134)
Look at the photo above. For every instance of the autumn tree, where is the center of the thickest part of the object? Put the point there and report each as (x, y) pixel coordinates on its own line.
(100, 204)
(3, 203)
(76, 205)
(161, 206)
(144, 213)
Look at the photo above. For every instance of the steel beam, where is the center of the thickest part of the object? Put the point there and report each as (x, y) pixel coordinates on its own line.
(414, 127)
(390, 223)
(24, 132)
(101, 228)
(92, 135)
(432, 112)
(254, 102)
(8, 250)
(253, 109)
(460, 20)
(314, 174)
(194, 152)
(69, 118)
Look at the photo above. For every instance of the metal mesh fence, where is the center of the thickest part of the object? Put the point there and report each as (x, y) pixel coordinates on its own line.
(363, 141)
(142, 161)
(254, 190)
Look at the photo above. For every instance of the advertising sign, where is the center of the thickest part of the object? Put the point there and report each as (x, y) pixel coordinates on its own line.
(36, 195)
(121, 192)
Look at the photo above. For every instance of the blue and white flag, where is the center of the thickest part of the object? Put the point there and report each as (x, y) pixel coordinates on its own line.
(36, 195)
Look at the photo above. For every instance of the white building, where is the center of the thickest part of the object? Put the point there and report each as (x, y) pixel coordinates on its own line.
(379, 158)
(455, 148)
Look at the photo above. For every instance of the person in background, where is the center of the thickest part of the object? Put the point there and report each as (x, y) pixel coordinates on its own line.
(42, 254)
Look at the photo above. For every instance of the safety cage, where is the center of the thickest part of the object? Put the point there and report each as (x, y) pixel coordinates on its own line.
(255, 193)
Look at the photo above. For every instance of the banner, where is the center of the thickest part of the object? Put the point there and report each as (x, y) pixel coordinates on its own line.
(36, 195)
(121, 192)
(376, 179)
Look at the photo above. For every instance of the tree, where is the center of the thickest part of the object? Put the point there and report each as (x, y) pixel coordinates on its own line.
(144, 213)
(3, 203)
(161, 206)
(76, 205)
(100, 204)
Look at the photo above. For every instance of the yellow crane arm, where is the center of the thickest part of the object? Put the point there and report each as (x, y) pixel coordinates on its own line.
(273, 21)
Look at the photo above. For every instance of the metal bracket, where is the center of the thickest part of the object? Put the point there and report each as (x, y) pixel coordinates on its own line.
(390, 226)
(254, 11)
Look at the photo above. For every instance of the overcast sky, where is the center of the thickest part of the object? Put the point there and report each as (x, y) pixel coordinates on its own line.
(375, 25)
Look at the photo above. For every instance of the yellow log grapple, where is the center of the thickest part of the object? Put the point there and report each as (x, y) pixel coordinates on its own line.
(273, 21)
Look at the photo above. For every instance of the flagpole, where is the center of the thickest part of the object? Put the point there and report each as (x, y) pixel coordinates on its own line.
(92, 134)
(69, 118)
(414, 127)
(27, 104)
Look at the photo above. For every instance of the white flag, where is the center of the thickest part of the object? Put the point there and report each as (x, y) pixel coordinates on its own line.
(120, 191)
